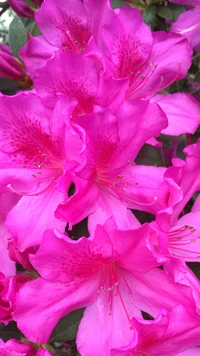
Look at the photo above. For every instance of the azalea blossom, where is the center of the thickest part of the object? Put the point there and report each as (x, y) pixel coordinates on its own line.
(110, 181)
(113, 273)
(34, 154)
(69, 25)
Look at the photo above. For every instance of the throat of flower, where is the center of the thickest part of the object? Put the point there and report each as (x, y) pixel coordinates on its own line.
(112, 285)
(73, 44)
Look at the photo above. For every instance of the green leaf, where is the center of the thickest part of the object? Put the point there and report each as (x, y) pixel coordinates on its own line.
(176, 10)
(149, 156)
(197, 77)
(118, 3)
(164, 12)
(30, 3)
(17, 35)
(67, 327)
(35, 31)
(149, 16)
(10, 331)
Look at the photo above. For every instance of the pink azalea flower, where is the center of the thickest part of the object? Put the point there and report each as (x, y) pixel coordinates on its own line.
(18, 348)
(188, 25)
(64, 24)
(71, 24)
(112, 273)
(35, 149)
(152, 61)
(174, 332)
(110, 181)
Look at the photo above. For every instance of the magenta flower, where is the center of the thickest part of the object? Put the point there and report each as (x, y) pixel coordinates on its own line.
(34, 154)
(70, 24)
(151, 61)
(64, 24)
(112, 273)
(172, 333)
(110, 181)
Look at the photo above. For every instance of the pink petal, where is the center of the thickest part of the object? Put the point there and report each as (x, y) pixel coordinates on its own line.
(81, 204)
(35, 53)
(188, 25)
(64, 24)
(63, 74)
(39, 217)
(75, 261)
(40, 304)
(128, 43)
(179, 107)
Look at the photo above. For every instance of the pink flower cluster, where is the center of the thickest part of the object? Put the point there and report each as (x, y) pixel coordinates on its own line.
(68, 152)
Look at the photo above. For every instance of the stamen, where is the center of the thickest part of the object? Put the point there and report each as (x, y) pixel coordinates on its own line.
(31, 194)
